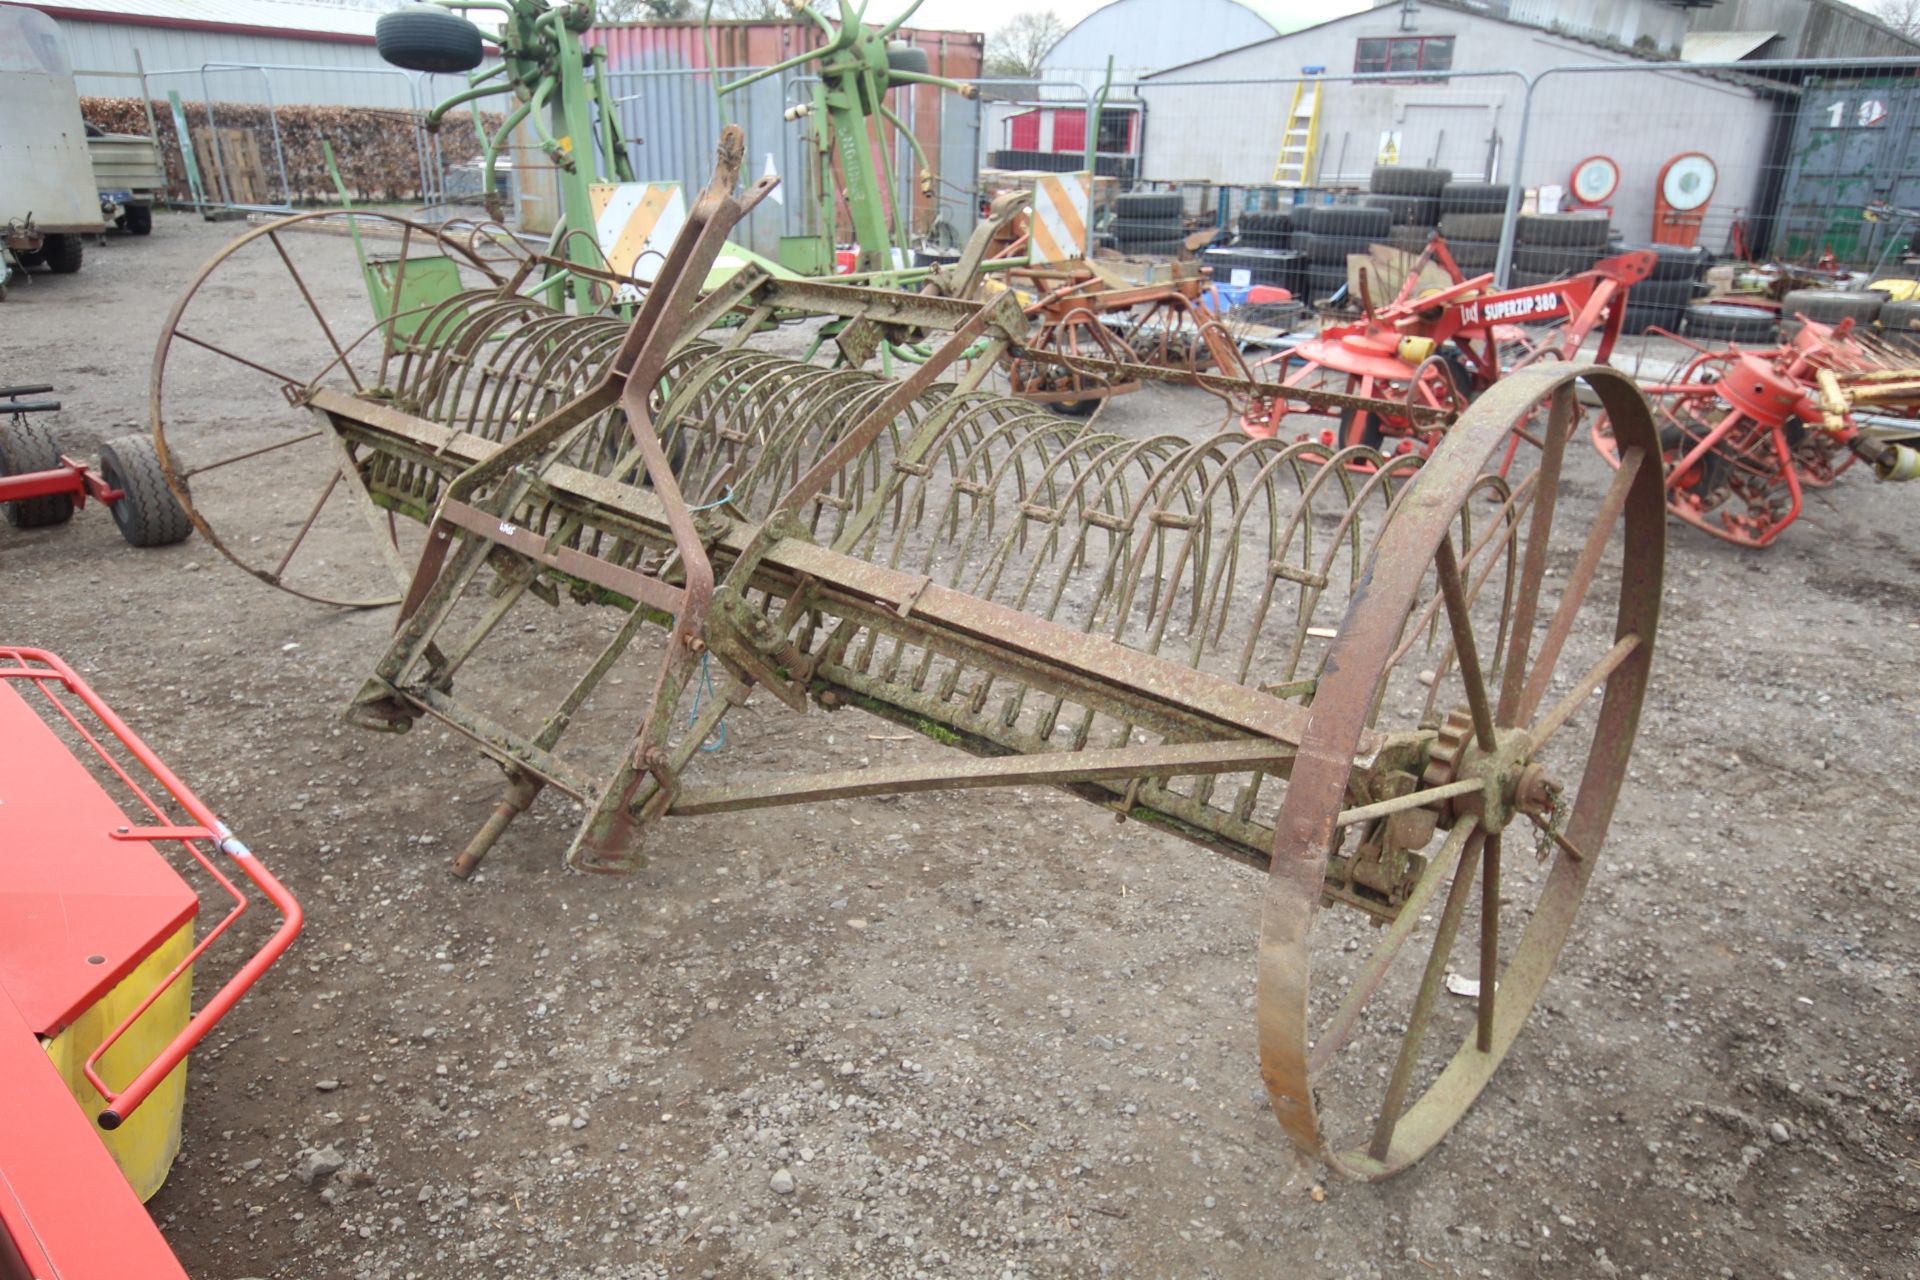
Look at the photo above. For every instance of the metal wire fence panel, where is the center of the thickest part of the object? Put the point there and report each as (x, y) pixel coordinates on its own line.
(1806, 161)
(1234, 132)
(250, 148)
(1682, 157)
(957, 194)
(672, 121)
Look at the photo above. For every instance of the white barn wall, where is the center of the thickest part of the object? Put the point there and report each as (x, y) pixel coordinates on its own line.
(1227, 133)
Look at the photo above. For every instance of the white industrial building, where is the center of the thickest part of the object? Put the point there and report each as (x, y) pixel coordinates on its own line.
(1220, 118)
(315, 51)
(1142, 36)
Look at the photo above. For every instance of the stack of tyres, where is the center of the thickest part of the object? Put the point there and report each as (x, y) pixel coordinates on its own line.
(1326, 234)
(1472, 215)
(1660, 301)
(1830, 306)
(1553, 246)
(1411, 200)
(1265, 229)
(1149, 223)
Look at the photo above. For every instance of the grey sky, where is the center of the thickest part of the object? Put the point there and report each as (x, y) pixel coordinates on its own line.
(979, 15)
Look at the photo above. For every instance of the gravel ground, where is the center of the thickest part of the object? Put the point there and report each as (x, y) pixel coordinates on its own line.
(922, 1037)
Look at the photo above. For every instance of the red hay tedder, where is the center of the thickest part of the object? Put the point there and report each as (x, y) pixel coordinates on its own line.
(1745, 432)
(1436, 350)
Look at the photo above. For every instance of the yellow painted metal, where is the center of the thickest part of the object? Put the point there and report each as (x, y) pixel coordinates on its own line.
(1294, 165)
(1415, 349)
(146, 1143)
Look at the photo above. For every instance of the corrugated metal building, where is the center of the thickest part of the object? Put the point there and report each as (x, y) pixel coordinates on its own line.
(1772, 29)
(112, 38)
(669, 113)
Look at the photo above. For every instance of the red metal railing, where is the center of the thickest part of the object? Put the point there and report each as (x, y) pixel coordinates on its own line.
(41, 669)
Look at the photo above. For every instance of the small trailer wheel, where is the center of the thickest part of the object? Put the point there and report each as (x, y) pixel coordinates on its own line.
(65, 253)
(911, 59)
(148, 514)
(27, 447)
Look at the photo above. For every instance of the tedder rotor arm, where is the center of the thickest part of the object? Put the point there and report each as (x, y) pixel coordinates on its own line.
(835, 40)
(480, 89)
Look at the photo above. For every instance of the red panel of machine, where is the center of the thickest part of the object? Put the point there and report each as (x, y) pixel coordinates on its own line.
(85, 1223)
(78, 908)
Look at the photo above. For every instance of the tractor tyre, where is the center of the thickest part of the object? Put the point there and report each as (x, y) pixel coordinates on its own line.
(1830, 306)
(1728, 322)
(1148, 206)
(1564, 230)
(1474, 198)
(1405, 180)
(911, 59)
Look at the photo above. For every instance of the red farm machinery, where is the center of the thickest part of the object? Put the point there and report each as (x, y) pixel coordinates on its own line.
(1434, 350)
(101, 937)
(41, 486)
(1745, 432)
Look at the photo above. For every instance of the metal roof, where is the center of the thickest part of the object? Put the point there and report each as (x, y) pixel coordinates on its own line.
(352, 19)
(1722, 46)
(1289, 16)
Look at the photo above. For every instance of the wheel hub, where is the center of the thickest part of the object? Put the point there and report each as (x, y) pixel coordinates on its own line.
(1511, 782)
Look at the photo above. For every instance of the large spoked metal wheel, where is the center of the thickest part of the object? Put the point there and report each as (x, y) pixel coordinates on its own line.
(1509, 630)
(253, 469)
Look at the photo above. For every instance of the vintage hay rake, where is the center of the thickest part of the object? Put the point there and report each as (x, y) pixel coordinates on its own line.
(1353, 680)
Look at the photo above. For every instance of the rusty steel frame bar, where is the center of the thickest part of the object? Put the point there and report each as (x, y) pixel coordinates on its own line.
(1224, 384)
(1186, 760)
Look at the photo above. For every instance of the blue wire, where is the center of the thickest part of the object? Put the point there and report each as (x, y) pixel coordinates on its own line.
(706, 687)
(726, 496)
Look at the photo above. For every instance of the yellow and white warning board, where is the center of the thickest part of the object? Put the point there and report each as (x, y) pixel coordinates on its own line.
(1059, 222)
(635, 223)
